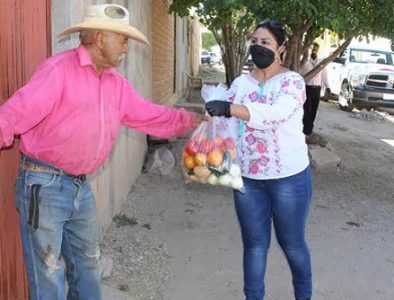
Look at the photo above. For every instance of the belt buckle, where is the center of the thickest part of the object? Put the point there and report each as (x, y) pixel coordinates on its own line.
(81, 178)
(34, 167)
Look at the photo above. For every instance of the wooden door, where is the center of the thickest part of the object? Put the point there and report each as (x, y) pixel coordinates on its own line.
(24, 44)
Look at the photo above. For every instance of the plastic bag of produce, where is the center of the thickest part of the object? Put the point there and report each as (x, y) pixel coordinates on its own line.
(209, 156)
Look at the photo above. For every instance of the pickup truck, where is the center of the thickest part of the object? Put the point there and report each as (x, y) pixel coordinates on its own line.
(205, 57)
(362, 78)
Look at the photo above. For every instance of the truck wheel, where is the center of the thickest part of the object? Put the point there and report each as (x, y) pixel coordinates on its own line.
(344, 99)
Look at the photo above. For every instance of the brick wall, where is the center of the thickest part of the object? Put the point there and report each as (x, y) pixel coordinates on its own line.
(162, 49)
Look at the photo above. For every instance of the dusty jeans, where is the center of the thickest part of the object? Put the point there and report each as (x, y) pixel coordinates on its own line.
(59, 232)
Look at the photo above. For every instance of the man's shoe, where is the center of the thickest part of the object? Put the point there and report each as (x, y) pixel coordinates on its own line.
(315, 139)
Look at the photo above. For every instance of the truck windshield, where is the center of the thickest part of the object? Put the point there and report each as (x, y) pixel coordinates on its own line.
(371, 56)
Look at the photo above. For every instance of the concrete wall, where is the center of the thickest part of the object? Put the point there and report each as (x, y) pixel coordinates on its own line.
(182, 54)
(151, 71)
(195, 45)
(112, 182)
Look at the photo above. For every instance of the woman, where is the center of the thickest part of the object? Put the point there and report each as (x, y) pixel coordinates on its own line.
(268, 107)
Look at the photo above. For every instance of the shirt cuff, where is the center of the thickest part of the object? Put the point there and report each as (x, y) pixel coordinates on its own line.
(254, 119)
(6, 133)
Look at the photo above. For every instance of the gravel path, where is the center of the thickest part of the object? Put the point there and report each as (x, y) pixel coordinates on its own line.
(176, 241)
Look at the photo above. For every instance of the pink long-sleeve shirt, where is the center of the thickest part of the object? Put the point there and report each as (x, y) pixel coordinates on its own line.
(69, 116)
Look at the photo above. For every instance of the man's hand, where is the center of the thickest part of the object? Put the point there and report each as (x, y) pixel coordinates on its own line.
(218, 108)
(198, 119)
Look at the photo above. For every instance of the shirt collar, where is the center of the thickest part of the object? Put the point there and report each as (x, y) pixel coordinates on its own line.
(86, 60)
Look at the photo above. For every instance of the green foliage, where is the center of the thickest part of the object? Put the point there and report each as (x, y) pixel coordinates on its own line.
(208, 40)
(231, 21)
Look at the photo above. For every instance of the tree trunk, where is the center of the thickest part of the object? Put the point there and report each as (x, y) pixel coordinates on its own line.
(293, 55)
(233, 50)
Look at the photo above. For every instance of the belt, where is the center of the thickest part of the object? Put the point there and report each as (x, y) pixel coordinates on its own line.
(34, 167)
(313, 86)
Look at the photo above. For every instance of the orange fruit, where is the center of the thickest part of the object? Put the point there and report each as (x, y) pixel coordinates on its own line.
(215, 157)
(200, 159)
(188, 162)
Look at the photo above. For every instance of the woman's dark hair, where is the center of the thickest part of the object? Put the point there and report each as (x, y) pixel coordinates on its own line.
(276, 28)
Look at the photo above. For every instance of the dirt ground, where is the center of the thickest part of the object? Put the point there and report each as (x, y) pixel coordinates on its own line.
(181, 241)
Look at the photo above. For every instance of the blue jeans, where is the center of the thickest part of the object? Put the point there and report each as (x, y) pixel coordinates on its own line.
(286, 202)
(59, 232)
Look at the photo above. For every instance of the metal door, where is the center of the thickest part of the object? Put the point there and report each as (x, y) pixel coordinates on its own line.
(24, 43)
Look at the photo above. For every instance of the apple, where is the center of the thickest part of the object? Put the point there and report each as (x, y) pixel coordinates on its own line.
(206, 147)
(191, 148)
(218, 142)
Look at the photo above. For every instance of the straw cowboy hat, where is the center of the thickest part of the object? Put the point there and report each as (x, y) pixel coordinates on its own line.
(110, 17)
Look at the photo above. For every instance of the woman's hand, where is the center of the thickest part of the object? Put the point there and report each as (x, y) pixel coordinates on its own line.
(218, 108)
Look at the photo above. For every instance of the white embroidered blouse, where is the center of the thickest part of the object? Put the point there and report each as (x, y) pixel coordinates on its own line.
(271, 145)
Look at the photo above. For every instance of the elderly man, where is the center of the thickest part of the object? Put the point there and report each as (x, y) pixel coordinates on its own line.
(68, 116)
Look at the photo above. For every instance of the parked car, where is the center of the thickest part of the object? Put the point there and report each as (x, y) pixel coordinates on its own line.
(205, 57)
(215, 59)
(362, 77)
(249, 64)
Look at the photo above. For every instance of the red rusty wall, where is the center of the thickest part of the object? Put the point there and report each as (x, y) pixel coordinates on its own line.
(24, 43)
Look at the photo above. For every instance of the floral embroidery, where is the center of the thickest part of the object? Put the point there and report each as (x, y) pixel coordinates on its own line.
(281, 121)
(253, 96)
(285, 84)
(261, 147)
(249, 129)
(299, 84)
(277, 160)
(254, 168)
(250, 139)
(264, 160)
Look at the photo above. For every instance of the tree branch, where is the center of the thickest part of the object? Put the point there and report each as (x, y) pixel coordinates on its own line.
(327, 60)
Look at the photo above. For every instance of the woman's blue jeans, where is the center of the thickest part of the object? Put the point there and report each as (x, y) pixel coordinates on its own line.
(59, 232)
(286, 202)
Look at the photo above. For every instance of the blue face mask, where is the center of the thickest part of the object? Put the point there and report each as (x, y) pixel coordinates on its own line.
(262, 56)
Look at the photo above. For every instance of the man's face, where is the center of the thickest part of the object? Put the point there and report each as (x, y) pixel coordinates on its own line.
(114, 48)
(314, 51)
